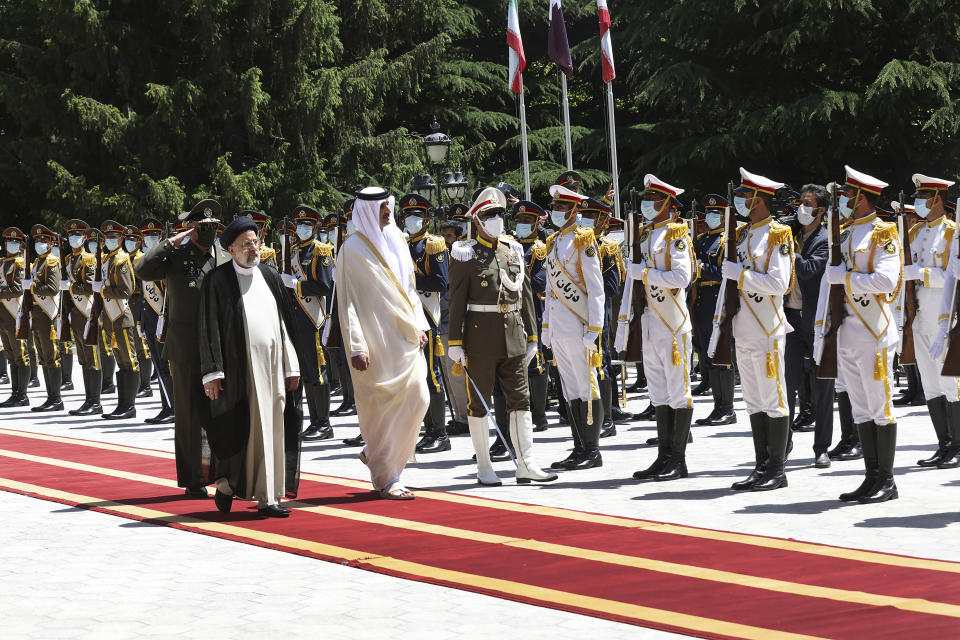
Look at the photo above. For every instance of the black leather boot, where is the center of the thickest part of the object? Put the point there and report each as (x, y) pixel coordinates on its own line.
(591, 413)
(664, 415)
(146, 373)
(937, 408)
(853, 449)
(909, 394)
(52, 381)
(640, 384)
(778, 431)
(951, 459)
(868, 440)
(538, 401)
(676, 466)
(127, 384)
(576, 456)
(725, 414)
(607, 428)
(19, 378)
(108, 367)
(84, 409)
(884, 488)
(715, 392)
(758, 427)
(66, 371)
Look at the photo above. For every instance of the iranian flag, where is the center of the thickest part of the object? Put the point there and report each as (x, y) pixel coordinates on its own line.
(606, 46)
(517, 61)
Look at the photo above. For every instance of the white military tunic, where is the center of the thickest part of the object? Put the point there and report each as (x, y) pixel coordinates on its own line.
(574, 310)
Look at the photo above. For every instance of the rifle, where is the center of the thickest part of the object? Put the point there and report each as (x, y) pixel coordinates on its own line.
(162, 320)
(638, 298)
(333, 338)
(828, 356)
(91, 332)
(66, 304)
(26, 305)
(723, 353)
(285, 230)
(907, 353)
(951, 362)
(694, 284)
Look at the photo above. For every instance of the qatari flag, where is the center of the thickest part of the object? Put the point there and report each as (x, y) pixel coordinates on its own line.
(557, 46)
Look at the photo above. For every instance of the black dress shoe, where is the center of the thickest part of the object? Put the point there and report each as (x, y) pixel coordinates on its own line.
(935, 459)
(66, 386)
(273, 511)
(49, 405)
(121, 414)
(653, 441)
(865, 487)
(747, 483)
(841, 448)
(822, 461)
(673, 470)
(803, 419)
(355, 442)
(110, 388)
(854, 452)
(429, 444)
(498, 451)
(145, 392)
(701, 389)
(15, 401)
(589, 461)
(4, 379)
(344, 410)
(164, 417)
(223, 501)
(455, 428)
(722, 417)
(34, 382)
(609, 429)
(646, 414)
(619, 415)
(706, 419)
(199, 493)
(658, 465)
(575, 457)
(769, 482)
(317, 432)
(540, 427)
(87, 409)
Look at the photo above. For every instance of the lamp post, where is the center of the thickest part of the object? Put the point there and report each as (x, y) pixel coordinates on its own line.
(436, 147)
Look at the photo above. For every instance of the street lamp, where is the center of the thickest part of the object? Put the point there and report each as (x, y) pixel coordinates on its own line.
(437, 145)
(423, 186)
(453, 186)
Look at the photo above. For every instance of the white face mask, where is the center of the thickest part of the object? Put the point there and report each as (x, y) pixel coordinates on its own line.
(41, 248)
(75, 241)
(111, 243)
(304, 231)
(524, 229)
(351, 227)
(740, 204)
(129, 246)
(648, 209)
(586, 223)
(805, 215)
(13, 247)
(843, 206)
(55, 251)
(92, 246)
(493, 227)
(616, 236)
(713, 220)
(322, 236)
(559, 218)
(150, 241)
(920, 204)
(413, 224)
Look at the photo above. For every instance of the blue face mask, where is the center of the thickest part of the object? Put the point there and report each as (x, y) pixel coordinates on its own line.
(92, 246)
(559, 218)
(111, 243)
(413, 224)
(13, 247)
(41, 248)
(130, 246)
(586, 223)
(713, 220)
(304, 231)
(920, 204)
(740, 204)
(524, 229)
(323, 236)
(648, 209)
(351, 227)
(843, 206)
(76, 241)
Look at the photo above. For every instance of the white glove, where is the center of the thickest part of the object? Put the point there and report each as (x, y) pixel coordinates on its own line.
(836, 275)
(912, 272)
(289, 280)
(456, 354)
(140, 332)
(512, 285)
(637, 269)
(531, 353)
(817, 346)
(731, 270)
(97, 286)
(939, 345)
(954, 269)
(590, 339)
(64, 285)
(545, 340)
(620, 342)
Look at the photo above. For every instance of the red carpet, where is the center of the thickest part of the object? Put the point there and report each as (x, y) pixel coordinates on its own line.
(700, 582)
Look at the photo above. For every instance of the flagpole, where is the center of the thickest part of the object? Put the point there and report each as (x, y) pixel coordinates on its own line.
(566, 122)
(523, 146)
(613, 151)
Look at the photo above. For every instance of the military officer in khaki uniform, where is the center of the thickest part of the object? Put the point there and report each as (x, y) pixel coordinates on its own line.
(11, 293)
(115, 285)
(44, 282)
(493, 332)
(80, 268)
(132, 244)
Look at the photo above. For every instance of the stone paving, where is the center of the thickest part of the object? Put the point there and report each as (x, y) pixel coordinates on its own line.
(66, 572)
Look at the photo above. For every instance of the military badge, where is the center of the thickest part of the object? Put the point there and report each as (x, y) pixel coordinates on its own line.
(784, 250)
(644, 235)
(326, 262)
(591, 252)
(680, 244)
(742, 235)
(890, 247)
(439, 257)
(844, 235)
(484, 283)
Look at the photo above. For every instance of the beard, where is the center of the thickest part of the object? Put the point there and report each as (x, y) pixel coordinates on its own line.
(248, 263)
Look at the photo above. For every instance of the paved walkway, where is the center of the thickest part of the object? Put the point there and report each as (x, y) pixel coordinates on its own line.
(67, 572)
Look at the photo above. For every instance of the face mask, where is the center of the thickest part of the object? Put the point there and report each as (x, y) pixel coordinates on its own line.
(92, 246)
(413, 224)
(130, 246)
(805, 215)
(76, 241)
(920, 204)
(740, 204)
(493, 227)
(13, 247)
(322, 236)
(150, 241)
(56, 252)
(559, 218)
(713, 220)
(351, 227)
(304, 231)
(843, 206)
(206, 235)
(524, 229)
(616, 236)
(111, 243)
(648, 209)
(586, 223)
(41, 248)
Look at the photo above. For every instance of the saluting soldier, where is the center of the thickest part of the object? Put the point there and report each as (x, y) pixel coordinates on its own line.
(115, 285)
(709, 248)
(930, 244)
(44, 281)
(493, 333)
(527, 215)
(430, 258)
(572, 322)
(182, 262)
(11, 296)
(154, 297)
(311, 284)
(78, 278)
(763, 275)
(665, 269)
(133, 244)
(871, 274)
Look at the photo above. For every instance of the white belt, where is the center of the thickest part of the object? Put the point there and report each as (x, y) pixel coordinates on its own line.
(492, 308)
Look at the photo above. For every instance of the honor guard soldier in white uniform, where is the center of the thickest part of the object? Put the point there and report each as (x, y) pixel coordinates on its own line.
(493, 333)
(11, 296)
(572, 321)
(763, 275)
(116, 286)
(871, 274)
(44, 282)
(665, 270)
(930, 245)
(78, 280)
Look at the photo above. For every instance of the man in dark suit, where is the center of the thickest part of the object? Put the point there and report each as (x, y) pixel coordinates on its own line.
(800, 307)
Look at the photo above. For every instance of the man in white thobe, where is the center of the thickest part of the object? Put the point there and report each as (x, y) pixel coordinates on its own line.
(383, 328)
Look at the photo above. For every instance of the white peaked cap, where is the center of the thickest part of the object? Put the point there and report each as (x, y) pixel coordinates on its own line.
(654, 183)
(766, 185)
(863, 181)
(489, 198)
(924, 183)
(562, 194)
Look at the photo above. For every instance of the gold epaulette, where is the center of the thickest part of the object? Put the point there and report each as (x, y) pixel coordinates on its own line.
(121, 258)
(742, 229)
(137, 257)
(266, 253)
(914, 230)
(435, 245)
(52, 260)
(779, 234)
(88, 259)
(951, 230)
(583, 238)
(321, 249)
(551, 239)
(608, 247)
(676, 231)
(884, 232)
(18, 261)
(538, 250)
